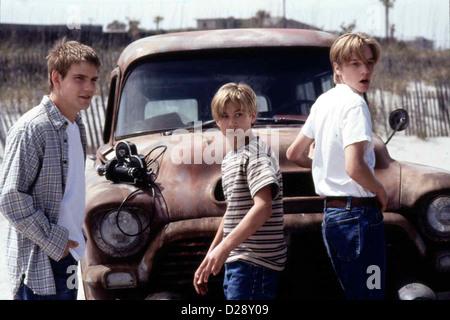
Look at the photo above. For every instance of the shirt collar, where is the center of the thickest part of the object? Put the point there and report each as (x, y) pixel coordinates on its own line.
(347, 87)
(55, 116)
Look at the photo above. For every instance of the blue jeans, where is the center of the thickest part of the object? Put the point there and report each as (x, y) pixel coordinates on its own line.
(61, 273)
(246, 281)
(354, 238)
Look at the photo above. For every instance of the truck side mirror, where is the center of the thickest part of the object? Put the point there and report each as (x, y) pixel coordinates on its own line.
(398, 120)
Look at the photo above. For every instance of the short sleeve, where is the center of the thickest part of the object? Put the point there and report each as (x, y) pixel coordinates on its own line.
(356, 125)
(261, 172)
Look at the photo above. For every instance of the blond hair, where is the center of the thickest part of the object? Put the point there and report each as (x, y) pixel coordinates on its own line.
(350, 44)
(240, 95)
(65, 53)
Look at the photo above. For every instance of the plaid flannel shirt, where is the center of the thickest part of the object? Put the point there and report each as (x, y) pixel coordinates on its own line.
(32, 183)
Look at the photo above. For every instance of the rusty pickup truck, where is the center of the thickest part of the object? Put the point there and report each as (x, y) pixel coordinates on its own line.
(154, 194)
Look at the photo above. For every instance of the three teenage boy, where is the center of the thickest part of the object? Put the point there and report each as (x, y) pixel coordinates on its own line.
(37, 182)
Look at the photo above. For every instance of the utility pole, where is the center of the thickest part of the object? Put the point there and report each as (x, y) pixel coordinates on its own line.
(387, 5)
(284, 14)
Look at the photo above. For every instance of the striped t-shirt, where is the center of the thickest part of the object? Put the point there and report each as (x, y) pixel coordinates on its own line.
(244, 172)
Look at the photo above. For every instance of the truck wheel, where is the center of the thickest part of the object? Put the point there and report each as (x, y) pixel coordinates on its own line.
(416, 291)
(164, 295)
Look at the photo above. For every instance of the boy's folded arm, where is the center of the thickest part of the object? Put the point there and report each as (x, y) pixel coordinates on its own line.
(219, 236)
(253, 220)
(17, 207)
(219, 250)
(360, 172)
(297, 151)
(357, 168)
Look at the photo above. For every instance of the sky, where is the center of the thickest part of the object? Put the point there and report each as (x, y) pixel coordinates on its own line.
(412, 18)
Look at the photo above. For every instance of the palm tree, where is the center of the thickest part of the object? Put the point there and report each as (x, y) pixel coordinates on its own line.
(387, 5)
(133, 29)
(261, 15)
(157, 20)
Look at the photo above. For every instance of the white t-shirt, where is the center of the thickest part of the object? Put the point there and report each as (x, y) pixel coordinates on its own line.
(339, 117)
(73, 203)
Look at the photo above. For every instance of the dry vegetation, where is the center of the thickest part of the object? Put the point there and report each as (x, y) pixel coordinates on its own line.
(23, 73)
(23, 79)
(416, 80)
(403, 63)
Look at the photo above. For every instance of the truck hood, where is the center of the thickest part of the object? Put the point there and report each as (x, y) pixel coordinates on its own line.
(190, 171)
(190, 175)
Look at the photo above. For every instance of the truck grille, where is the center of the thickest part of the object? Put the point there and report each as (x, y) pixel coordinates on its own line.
(177, 262)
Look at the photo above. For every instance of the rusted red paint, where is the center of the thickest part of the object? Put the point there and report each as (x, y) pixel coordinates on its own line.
(190, 209)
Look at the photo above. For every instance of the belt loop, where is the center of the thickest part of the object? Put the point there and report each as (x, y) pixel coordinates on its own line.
(349, 204)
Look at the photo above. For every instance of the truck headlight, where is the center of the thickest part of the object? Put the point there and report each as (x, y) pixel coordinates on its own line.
(120, 235)
(438, 217)
(120, 231)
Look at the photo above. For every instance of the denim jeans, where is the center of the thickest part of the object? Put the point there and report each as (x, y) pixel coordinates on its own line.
(246, 281)
(354, 238)
(61, 273)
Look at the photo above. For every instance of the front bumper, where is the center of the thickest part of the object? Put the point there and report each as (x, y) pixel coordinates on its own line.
(177, 250)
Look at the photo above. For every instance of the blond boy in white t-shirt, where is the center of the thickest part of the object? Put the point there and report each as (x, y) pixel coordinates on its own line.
(343, 168)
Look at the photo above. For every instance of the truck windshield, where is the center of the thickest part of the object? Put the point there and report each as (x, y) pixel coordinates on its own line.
(169, 94)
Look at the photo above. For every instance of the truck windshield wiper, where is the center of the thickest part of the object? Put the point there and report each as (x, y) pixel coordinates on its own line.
(280, 120)
(212, 123)
(197, 125)
(204, 124)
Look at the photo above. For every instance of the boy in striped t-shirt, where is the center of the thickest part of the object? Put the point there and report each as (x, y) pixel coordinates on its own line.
(250, 240)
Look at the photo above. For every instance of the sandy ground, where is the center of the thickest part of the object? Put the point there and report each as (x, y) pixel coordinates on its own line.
(433, 152)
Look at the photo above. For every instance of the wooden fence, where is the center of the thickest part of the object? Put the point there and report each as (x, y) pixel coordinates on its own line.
(428, 109)
(428, 112)
(93, 118)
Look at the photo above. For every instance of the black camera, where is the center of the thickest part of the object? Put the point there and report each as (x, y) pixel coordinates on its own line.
(127, 166)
